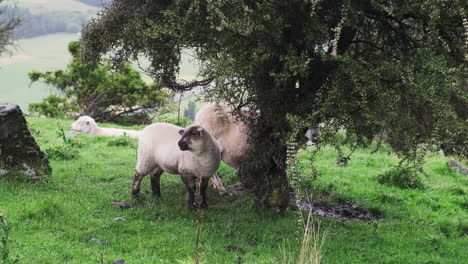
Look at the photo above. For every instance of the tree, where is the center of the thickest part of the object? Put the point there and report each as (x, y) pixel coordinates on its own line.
(8, 22)
(190, 111)
(365, 66)
(100, 91)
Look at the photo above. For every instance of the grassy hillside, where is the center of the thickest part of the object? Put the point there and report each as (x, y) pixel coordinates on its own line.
(60, 221)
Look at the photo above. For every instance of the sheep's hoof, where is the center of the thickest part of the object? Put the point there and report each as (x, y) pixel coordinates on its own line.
(203, 206)
(135, 194)
(191, 206)
(158, 195)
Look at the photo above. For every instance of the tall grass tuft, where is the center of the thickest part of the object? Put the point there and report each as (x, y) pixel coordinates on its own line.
(311, 250)
(4, 239)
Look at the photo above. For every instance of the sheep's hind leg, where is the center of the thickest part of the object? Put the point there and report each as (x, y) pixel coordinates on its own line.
(190, 186)
(156, 181)
(136, 184)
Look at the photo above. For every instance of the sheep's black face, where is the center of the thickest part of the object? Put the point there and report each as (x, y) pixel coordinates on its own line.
(191, 138)
(183, 145)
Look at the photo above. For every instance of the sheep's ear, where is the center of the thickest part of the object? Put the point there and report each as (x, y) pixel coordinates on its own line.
(181, 132)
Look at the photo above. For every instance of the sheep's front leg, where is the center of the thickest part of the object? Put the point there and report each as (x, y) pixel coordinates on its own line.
(190, 186)
(136, 184)
(156, 182)
(204, 184)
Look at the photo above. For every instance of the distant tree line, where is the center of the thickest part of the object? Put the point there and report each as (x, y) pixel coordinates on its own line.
(49, 23)
(97, 3)
(8, 22)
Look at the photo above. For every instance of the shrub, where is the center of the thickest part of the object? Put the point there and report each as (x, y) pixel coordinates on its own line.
(167, 118)
(62, 151)
(53, 106)
(401, 177)
(121, 141)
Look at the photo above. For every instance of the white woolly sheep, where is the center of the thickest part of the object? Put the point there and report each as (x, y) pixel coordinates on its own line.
(231, 134)
(86, 124)
(162, 149)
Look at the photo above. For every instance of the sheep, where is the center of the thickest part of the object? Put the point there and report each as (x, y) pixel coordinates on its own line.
(231, 134)
(86, 124)
(162, 149)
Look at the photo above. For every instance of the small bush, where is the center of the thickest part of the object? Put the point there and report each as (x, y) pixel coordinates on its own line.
(121, 141)
(62, 151)
(167, 118)
(134, 119)
(402, 177)
(53, 106)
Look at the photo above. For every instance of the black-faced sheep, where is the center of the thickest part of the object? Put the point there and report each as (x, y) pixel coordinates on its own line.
(190, 152)
(86, 124)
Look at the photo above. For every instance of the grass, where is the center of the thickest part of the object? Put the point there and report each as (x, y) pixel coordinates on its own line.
(53, 222)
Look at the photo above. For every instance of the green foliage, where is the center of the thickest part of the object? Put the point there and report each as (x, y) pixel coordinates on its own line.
(122, 141)
(66, 149)
(53, 106)
(172, 119)
(62, 151)
(401, 177)
(101, 91)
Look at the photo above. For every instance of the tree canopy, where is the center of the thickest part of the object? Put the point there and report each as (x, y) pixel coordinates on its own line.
(99, 90)
(364, 66)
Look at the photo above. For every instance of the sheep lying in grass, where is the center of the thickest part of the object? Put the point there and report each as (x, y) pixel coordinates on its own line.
(230, 134)
(161, 148)
(86, 124)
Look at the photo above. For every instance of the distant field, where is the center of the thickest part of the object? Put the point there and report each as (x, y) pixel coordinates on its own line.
(42, 54)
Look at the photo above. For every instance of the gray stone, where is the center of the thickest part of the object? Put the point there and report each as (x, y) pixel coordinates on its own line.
(457, 167)
(118, 261)
(98, 240)
(119, 218)
(18, 149)
(123, 205)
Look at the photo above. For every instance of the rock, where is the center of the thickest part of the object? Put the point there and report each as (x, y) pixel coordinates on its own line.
(119, 218)
(252, 243)
(98, 240)
(441, 153)
(118, 261)
(457, 167)
(123, 205)
(18, 148)
(235, 249)
(159, 217)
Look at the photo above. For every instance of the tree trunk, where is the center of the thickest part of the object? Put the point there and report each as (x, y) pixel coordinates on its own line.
(264, 171)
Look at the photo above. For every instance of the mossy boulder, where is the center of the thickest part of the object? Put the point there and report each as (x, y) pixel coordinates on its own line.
(19, 151)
